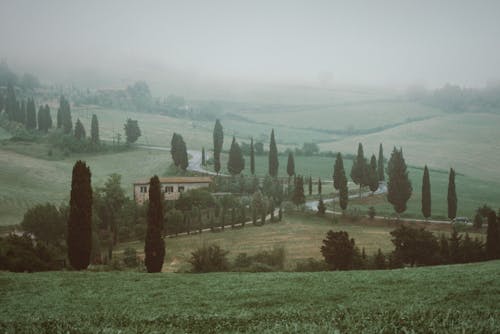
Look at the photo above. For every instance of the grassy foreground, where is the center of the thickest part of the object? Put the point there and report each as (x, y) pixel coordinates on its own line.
(444, 299)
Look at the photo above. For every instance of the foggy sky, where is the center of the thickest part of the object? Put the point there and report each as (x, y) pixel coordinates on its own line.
(359, 42)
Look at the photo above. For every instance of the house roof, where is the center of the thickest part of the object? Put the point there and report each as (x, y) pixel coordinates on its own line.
(180, 179)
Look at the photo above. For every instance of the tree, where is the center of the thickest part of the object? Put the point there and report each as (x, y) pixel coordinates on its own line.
(290, 165)
(319, 186)
(310, 185)
(415, 246)
(218, 137)
(340, 181)
(79, 236)
(492, 237)
(46, 223)
(44, 119)
(154, 247)
(452, 195)
(94, 131)
(178, 150)
(338, 250)
(79, 130)
(132, 131)
(359, 169)
(209, 259)
(203, 158)
(236, 162)
(380, 170)
(426, 194)
(31, 115)
(399, 187)
(273, 156)
(321, 207)
(252, 157)
(372, 174)
(11, 102)
(298, 196)
(64, 116)
(379, 260)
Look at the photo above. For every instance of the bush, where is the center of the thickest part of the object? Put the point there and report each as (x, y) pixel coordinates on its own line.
(263, 261)
(311, 265)
(130, 257)
(209, 259)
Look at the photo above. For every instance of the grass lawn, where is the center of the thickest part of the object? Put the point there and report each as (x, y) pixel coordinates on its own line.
(443, 299)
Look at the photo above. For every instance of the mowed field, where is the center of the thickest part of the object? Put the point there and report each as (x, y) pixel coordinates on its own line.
(443, 299)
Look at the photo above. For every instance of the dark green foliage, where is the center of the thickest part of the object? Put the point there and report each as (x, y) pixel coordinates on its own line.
(298, 196)
(79, 130)
(319, 186)
(45, 223)
(444, 249)
(64, 116)
(174, 222)
(252, 157)
(44, 119)
(454, 247)
(372, 176)
(218, 137)
(94, 131)
(79, 235)
(452, 195)
(263, 261)
(338, 250)
(379, 261)
(415, 246)
(210, 258)
(11, 102)
(236, 162)
(154, 247)
(339, 176)
(31, 115)
(132, 131)
(203, 158)
(359, 170)
(130, 257)
(399, 187)
(478, 221)
(273, 156)
(290, 165)
(492, 237)
(310, 185)
(380, 169)
(426, 194)
(321, 207)
(178, 150)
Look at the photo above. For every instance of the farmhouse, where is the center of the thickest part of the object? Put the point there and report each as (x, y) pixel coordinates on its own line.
(171, 187)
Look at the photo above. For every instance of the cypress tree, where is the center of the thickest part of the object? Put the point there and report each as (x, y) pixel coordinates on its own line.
(319, 186)
(298, 191)
(218, 137)
(31, 115)
(343, 194)
(359, 169)
(64, 116)
(399, 187)
(203, 159)
(252, 157)
(41, 119)
(236, 162)
(47, 118)
(492, 237)
(290, 165)
(79, 130)
(310, 185)
(426, 194)
(273, 156)
(372, 174)
(79, 237)
(10, 102)
(174, 149)
(154, 247)
(94, 131)
(381, 172)
(452, 195)
(338, 172)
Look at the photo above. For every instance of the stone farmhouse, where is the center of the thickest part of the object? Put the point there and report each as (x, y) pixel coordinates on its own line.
(171, 187)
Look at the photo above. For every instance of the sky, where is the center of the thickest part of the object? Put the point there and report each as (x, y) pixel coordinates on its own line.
(371, 42)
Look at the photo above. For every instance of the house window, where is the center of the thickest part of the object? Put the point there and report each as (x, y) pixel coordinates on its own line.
(181, 189)
(169, 189)
(144, 189)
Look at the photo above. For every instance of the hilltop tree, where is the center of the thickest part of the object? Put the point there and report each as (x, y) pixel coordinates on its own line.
(154, 247)
(79, 130)
(290, 165)
(31, 115)
(236, 162)
(79, 236)
(380, 170)
(399, 187)
(372, 174)
(218, 141)
(492, 237)
(94, 131)
(132, 131)
(426, 194)
(252, 157)
(359, 169)
(298, 196)
(452, 195)
(273, 156)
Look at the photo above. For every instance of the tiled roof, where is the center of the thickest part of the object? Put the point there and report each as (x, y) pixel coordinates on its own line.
(180, 179)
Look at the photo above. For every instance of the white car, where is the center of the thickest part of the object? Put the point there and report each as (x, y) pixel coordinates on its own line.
(461, 220)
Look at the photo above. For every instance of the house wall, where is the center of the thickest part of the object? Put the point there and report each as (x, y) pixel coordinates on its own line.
(141, 197)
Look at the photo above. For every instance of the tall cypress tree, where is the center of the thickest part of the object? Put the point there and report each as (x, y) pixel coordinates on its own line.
(380, 170)
(218, 136)
(79, 130)
(10, 102)
(452, 195)
(290, 165)
(154, 247)
(492, 237)
(340, 181)
(310, 185)
(343, 193)
(426, 194)
(399, 187)
(236, 162)
(31, 115)
(298, 196)
(203, 158)
(94, 131)
(79, 237)
(319, 186)
(64, 116)
(372, 174)
(273, 156)
(359, 169)
(252, 157)
(41, 120)
(47, 118)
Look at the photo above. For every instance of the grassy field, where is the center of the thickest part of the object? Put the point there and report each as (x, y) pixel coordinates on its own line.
(300, 234)
(443, 299)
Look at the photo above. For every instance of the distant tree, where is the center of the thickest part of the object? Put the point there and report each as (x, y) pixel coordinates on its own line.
(132, 131)
(44, 119)
(209, 259)
(31, 115)
(426, 194)
(252, 157)
(321, 207)
(415, 246)
(452, 195)
(178, 150)
(379, 261)
(372, 174)
(154, 247)
(64, 116)
(259, 148)
(340, 181)
(273, 156)
(492, 237)
(380, 170)
(478, 221)
(203, 158)
(319, 186)
(399, 187)
(218, 137)
(11, 102)
(359, 169)
(310, 185)
(338, 250)
(236, 162)
(40, 118)
(290, 165)
(298, 197)
(94, 131)
(79, 130)
(45, 222)
(80, 217)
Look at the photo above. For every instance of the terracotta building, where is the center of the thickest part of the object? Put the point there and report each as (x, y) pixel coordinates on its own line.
(171, 187)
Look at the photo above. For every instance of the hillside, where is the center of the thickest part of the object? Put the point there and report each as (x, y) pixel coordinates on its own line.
(444, 299)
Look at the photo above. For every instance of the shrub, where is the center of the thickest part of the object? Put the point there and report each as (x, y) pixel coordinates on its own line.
(311, 265)
(338, 250)
(263, 261)
(130, 257)
(209, 259)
